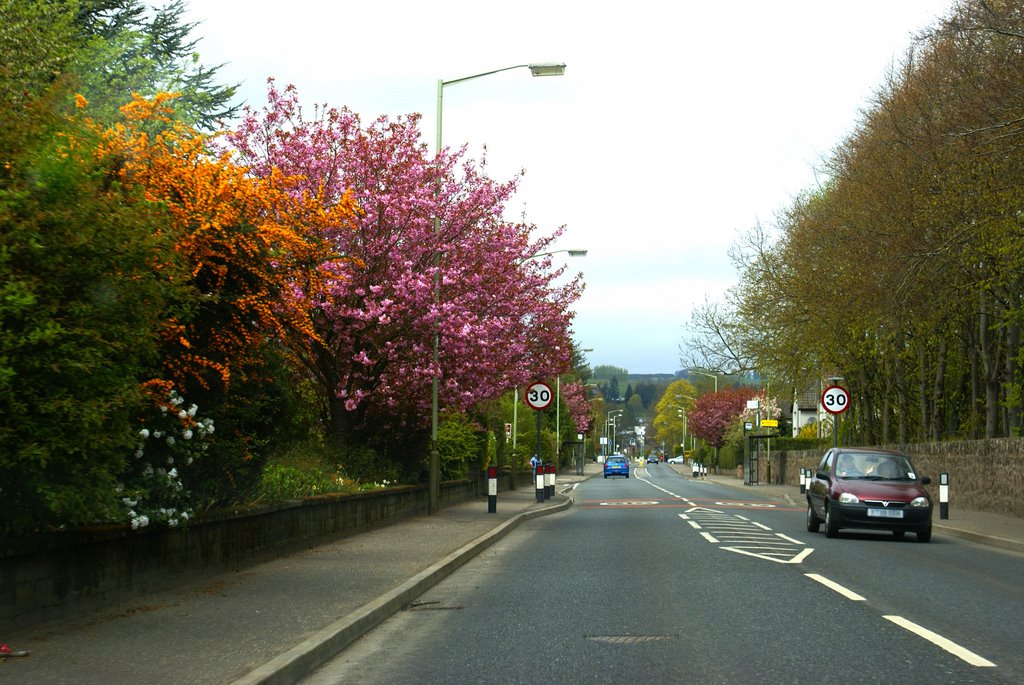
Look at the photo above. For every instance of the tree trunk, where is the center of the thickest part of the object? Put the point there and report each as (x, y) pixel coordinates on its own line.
(975, 398)
(903, 402)
(1013, 413)
(938, 403)
(887, 407)
(922, 392)
(989, 348)
(867, 410)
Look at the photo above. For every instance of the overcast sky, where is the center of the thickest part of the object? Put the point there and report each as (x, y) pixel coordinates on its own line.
(676, 127)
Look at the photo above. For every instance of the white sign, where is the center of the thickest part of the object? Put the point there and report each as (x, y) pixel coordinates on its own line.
(835, 399)
(539, 396)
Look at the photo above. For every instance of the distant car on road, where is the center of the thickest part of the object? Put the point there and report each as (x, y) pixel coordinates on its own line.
(616, 465)
(677, 460)
(652, 459)
(869, 489)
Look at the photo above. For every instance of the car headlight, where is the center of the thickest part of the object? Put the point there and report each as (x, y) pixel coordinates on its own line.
(920, 502)
(848, 498)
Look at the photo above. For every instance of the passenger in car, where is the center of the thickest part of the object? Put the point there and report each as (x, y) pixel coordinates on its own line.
(847, 468)
(889, 469)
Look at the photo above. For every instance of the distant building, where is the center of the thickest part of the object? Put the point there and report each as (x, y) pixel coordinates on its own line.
(806, 408)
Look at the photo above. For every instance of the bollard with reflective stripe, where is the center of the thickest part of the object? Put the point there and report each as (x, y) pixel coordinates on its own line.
(550, 482)
(944, 495)
(703, 471)
(539, 479)
(492, 490)
(803, 480)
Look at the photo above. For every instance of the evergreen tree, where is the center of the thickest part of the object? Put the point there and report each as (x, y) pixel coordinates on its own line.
(128, 49)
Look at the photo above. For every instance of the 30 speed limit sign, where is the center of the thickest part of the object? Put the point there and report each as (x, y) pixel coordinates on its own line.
(539, 395)
(835, 399)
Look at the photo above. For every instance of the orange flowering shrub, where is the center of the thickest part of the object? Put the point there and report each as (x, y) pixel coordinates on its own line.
(252, 246)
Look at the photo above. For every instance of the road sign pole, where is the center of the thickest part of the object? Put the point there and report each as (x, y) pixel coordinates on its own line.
(540, 467)
(539, 397)
(835, 400)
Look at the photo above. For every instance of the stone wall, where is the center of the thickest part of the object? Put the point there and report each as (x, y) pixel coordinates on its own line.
(47, 576)
(984, 475)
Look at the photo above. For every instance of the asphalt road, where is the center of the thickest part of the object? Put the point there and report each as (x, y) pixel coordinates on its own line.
(658, 577)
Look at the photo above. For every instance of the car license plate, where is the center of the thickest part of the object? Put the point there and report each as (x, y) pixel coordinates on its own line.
(886, 513)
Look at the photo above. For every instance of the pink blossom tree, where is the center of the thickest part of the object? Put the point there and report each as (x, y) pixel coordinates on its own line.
(713, 412)
(500, 313)
(580, 408)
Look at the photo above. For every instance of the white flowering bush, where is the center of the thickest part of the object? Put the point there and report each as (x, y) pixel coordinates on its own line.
(168, 443)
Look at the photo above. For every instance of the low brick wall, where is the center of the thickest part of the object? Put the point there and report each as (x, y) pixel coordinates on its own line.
(47, 576)
(984, 475)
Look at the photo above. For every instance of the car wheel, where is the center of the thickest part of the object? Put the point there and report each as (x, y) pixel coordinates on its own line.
(813, 522)
(925, 534)
(831, 525)
(606, 476)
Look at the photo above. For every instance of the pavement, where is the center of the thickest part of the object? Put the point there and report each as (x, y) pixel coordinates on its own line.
(274, 623)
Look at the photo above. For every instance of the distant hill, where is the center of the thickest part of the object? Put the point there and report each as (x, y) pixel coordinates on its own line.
(653, 378)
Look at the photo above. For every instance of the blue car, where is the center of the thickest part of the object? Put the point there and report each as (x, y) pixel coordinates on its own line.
(616, 465)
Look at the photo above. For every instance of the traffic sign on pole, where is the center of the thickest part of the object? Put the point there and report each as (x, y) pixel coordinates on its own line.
(835, 399)
(539, 395)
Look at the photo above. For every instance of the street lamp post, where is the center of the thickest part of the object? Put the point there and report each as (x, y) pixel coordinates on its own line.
(715, 377)
(686, 420)
(681, 413)
(539, 69)
(613, 419)
(608, 422)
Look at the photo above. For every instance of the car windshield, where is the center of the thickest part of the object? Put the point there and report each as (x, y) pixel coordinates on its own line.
(616, 460)
(873, 466)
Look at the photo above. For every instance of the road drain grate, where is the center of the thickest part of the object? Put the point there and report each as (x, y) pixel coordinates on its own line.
(627, 639)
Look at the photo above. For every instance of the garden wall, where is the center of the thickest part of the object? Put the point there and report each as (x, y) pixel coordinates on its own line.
(984, 475)
(47, 576)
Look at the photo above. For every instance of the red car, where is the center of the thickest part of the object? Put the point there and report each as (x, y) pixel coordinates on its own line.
(869, 489)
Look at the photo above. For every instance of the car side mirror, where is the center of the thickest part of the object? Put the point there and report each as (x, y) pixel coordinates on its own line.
(822, 475)
(925, 480)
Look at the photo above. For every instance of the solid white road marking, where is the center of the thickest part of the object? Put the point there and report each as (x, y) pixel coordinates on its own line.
(755, 505)
(936, 639)
(786, 537)
(645, 503)
(849, 594)
(710, 538)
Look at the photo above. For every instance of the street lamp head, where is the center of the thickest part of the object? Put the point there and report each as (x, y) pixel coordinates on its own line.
(577, 253)
(547, 69)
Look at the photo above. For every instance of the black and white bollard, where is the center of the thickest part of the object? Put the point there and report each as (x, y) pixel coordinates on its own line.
(803, 480)
(696, 469)
(492, 490)
(703, 471)
(539, 479)
(944, 495)
(550, 481)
